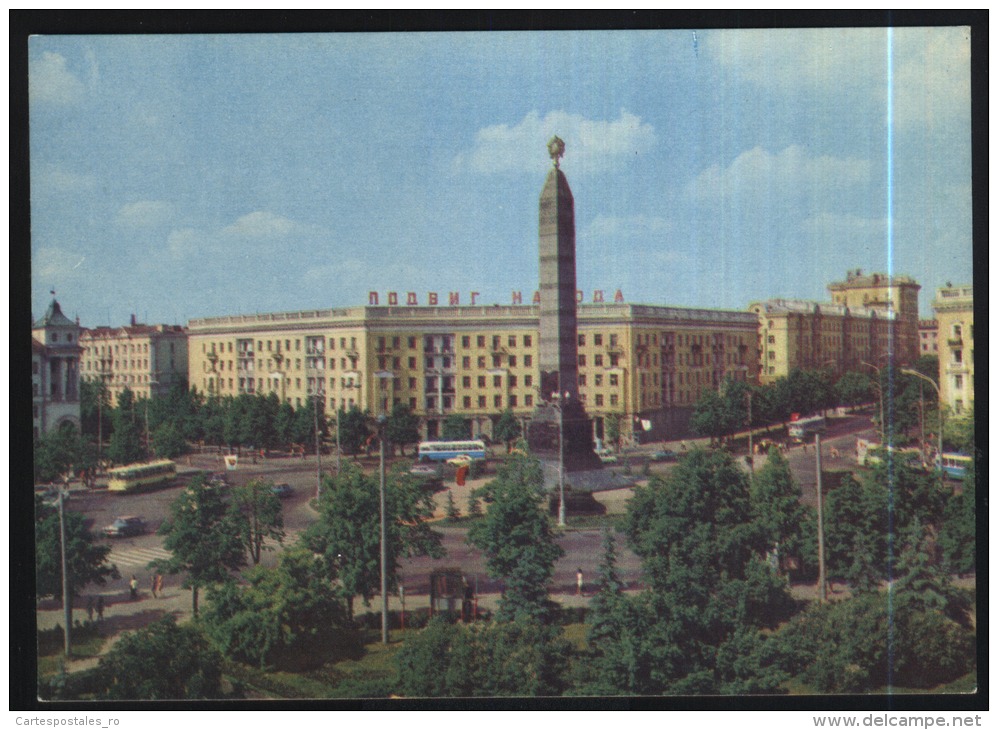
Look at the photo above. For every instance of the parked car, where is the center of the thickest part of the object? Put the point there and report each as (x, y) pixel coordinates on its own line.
(125, 527)
(664, 455)
(423, 470)
(282, 490)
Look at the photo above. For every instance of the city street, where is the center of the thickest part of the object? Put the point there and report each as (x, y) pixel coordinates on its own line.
(582, 545)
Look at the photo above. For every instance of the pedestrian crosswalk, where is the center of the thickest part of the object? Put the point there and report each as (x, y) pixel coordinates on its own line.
(136, 557)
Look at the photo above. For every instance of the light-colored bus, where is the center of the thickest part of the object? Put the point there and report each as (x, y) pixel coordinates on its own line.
(802, 428)
(140, 477)
(444, 450)
(955, 465)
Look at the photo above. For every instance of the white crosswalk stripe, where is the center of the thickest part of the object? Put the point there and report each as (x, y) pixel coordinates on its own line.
(136, 557)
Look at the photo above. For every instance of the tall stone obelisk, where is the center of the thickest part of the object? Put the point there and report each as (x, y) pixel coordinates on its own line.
(560, 418)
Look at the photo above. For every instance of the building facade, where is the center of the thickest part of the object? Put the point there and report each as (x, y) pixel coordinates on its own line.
(882, 293)
(954, 307)
(803, 334)
(928, 337)
(55, 371)
(636, 362)
(147, 359)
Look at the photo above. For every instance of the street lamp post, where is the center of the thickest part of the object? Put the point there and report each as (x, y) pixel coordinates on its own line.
(67, 600)
(939, 399)
(562, 399)
(382, 419)
(880, 392)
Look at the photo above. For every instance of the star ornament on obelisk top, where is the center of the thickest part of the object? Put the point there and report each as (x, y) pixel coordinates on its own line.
(556, 148)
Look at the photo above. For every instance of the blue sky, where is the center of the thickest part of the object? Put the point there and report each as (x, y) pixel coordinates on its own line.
(186, 176)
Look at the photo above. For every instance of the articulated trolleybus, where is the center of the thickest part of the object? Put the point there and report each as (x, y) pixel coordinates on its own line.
(800, 429)
(141, 477)
(444, 450)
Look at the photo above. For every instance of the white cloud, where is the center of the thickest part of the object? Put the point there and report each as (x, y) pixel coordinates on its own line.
(824, 58)
(145, 214)
(50, 81)
(643, 226)
(591, 145)
(260, 224)
(932, 79)
(759, 177)
(52, 180)
(185, 242)
(52, 262)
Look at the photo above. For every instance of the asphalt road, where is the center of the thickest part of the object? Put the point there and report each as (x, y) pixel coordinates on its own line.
(582, 546)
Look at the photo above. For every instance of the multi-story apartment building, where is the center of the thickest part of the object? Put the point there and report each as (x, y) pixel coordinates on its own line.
(643, 363)
(147, 359)
(928, 337)
(803, 334)
(954, 306)
(898, 294)
(55, 371)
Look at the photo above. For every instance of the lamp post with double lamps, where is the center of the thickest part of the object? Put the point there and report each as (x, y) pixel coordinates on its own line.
(939, 400)
(383, 376)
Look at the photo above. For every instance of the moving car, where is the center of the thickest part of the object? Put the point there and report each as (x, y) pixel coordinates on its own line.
(282, 490)
(125, 527)
(460, 460)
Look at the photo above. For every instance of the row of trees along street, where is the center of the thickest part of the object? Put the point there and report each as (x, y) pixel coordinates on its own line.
(715, 614)
(908, 403)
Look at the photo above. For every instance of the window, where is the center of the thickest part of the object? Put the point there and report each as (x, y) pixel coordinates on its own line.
(613, 399)
(599, 399)
(528, 400)
(512, 401)
(412, 383)
(481, 401)
(528, 381)
(467, 401)
(466, 363)
(582, 361)
(466, 341)
(481, 343)
(599, 379)
(512, 381)
(466, 381)
(512, 361)
(497, 401)
(528, 361)
(412, 343)
(497, 381)
(496, 361)
(511, 340)
(598, 340)
(582, 340)
(614, 379)
(958, 382)
(598, 360)
(412, 363)
(496, 342)
(614, 360)
(481, 381)
(481, 362)
(958, 356)
(528, 341)
(582, 380)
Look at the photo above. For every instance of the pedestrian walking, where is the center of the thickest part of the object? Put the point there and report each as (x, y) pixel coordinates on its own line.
(159, 584)
(90, 609)
(578, 581)
(100, 609)
(133, 587)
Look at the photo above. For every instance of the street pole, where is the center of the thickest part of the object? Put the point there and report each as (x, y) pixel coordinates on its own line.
(880, 392)
(821, 523)
(67, 606)
(384, 551)
(318, 451)
(939, 406)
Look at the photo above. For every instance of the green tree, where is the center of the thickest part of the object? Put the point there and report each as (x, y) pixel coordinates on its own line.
(508, 429)
(348, 532)
(204, 537)
(259, 514)
(125, 446)
(777, 509)
(488, 659)
(168, 441)
(61, 452)
(701, 550)
(612, 426)
(236, 421)
(453, 513)
(163, 661)
(402, 427)
(711, 416)
(853, 388)
(284, 424)
(456, 428)
(354, 430)
(86, 558)
(517, 539)
(958, 532)
(289, 617)
(95, 408)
